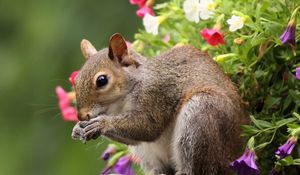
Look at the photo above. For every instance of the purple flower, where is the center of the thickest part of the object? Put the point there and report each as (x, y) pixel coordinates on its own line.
(287, 148)
(106, 171)
(298, 73)
(245, 165)
(123, 166)
(108, 152)
(288, 36)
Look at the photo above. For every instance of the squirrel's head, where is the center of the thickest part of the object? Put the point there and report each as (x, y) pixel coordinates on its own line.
(104, 78)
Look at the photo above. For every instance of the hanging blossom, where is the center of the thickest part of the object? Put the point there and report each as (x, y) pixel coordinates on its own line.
(120, 164)
(123, 166)
(144, 10)
(69, 113)
(235, 23)
(140, 3)
(298, 73)
(73, 76)
(287, 148)
(119, 160)
(289, 35)
(145, 6)
(245, 165)
(110, 150)
(151, 23)
(195, 9)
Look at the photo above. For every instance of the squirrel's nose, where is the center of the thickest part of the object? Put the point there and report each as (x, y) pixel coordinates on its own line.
(83, 114)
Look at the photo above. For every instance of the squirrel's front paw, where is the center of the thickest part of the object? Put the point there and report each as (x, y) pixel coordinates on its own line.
(78, 132)
(91, 128)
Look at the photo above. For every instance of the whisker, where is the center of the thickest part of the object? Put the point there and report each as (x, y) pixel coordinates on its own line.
(45, 110)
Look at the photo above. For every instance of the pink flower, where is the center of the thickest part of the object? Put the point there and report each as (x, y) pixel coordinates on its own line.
(144, 10)
(213, 36)
(73, 77)
(166, 38)
(140, 3)
(69, 113)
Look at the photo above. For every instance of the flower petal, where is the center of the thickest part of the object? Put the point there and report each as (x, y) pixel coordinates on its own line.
(73, 77)
(144, 10)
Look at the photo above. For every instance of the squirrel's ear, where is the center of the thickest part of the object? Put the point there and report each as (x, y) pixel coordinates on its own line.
(118, 50)
(87, 49)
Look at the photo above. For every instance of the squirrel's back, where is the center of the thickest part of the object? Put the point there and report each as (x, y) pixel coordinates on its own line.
(189, 68)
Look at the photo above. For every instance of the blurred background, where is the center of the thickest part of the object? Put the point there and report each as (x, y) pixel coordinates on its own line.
(39, 48)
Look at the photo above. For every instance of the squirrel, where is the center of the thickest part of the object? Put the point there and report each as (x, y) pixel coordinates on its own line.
(179, 112)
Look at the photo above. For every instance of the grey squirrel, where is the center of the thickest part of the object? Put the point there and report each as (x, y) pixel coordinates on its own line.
(179, 111)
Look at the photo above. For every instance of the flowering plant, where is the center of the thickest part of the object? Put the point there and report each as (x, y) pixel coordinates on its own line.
(255, 44)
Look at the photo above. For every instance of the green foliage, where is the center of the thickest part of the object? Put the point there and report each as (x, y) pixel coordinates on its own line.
(259, 64)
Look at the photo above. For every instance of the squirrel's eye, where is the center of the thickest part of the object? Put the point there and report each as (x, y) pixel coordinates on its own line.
(101, 81)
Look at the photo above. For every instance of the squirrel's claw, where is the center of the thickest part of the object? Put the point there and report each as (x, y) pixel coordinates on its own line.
(92, 129)
(78, 133)
(87, 130)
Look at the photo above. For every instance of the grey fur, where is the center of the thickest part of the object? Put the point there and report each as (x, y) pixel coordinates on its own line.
(180, 112)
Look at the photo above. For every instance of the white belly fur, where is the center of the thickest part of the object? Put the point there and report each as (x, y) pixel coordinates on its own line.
(156, 154)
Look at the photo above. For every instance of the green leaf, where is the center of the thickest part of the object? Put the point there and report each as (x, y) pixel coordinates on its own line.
(113, 160)
(285, 121)
(260, 123)
(249, 130)
(287, 161)
(296, 161)
(296, 115)
(262, 145)
(160, 6)
(270, 101)
(251, 143)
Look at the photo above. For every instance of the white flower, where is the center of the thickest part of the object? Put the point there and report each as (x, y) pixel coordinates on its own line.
(151, 23)
(235, 23)
(207, 8)
(192, 10)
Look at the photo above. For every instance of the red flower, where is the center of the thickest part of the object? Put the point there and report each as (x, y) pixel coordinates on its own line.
(144, 10)
(213, 36)
(140, 3)
(73, 77)
(69, 113)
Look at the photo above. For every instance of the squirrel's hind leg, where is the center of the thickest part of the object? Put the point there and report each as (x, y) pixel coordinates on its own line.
(199, 140)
